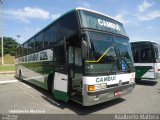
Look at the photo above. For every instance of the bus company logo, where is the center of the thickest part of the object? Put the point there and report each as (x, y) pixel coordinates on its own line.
(39, 56)
(43, 55)
(105, 79)
(108, 24)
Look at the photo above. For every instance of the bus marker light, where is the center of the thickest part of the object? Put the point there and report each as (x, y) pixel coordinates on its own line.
(90, 87)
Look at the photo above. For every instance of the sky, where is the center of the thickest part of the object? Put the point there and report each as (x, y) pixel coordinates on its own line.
(141, 18)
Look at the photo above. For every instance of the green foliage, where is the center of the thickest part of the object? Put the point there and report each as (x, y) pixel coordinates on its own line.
(9, 46)
(3, 68)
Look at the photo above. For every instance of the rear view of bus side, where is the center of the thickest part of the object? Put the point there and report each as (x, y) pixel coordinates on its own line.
(84, 56)
(146, 59)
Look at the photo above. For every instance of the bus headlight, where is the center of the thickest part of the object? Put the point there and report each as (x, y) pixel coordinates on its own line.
(103, 86)
(97, 87)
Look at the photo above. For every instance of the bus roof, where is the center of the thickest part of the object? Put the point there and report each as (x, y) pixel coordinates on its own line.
(73, 10)
(48, 25)
(85, 9)
(144, 41)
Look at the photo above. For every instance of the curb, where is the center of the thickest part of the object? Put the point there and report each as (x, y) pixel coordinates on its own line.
(7, 72)
(8, 81)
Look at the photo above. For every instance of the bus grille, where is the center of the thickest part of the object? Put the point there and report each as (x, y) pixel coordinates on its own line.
(114, 85)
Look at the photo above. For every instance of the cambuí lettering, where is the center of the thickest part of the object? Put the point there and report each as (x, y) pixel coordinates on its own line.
(105, 79)
(108, 24)
(43, 55)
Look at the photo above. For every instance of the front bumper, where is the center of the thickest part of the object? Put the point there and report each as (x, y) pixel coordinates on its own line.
(92, 98)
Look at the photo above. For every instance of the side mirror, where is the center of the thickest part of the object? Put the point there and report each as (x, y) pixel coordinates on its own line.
(84, 49)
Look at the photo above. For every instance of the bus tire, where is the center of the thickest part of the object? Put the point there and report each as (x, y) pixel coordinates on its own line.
(50, 83)
(20, 76)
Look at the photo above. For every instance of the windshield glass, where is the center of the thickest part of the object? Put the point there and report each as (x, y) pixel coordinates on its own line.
(107, 54)
(142, 52)
(124, 52)
(156, 49)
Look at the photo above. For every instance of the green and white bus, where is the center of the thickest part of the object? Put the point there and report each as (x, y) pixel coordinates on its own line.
(146, 59)
(84, 56)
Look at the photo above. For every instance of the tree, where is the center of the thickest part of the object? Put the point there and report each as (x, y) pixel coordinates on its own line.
(9, 46)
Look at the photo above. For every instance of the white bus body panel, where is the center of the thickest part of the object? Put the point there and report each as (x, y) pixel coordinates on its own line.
(100, 96)
(61, 82)
(124, 77)
(152, 73)
(157, 70)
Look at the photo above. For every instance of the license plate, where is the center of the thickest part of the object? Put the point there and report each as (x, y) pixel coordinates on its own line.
(117, 93)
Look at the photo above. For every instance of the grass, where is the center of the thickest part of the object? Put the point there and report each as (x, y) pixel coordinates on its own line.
(8, 59)
(7, 68)
(8, 63)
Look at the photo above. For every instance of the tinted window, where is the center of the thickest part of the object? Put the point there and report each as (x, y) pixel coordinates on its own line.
(124, 51)
(101, 55)
(156, 52)
(31, 44)
(18, 52)
(25, 48)
(142, 52)
(63, 28)
(39, 41)
(22, 50)
(59, 56)
(68, 25)
(50, 35)
(146, 55)
(100, 22)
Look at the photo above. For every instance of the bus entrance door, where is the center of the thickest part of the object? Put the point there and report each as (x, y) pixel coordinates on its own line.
(75, 70)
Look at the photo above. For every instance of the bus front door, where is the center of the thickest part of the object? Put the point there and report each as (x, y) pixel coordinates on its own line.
(75, 70)
(60, 88)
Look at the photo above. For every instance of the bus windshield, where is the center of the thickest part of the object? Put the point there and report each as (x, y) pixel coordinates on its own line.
(145, 52)
(142, 52)
(124, 52)
(108, 54)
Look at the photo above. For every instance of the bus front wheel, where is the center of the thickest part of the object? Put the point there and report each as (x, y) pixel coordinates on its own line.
(20, 76)
(50, 83)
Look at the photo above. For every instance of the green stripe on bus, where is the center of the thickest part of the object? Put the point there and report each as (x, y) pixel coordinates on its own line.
(141, 70)
(60, 95)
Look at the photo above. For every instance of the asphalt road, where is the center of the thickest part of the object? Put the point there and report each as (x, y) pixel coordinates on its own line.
(21, 97)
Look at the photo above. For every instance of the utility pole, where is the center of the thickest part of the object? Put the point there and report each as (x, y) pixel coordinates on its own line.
(1, 28)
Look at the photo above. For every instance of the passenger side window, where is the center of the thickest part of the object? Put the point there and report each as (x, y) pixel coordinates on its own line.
(22, 50)
(50, 35)
(31, 45)
(39, 41)
(68, 25)
(59, 56)
(26, 48)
